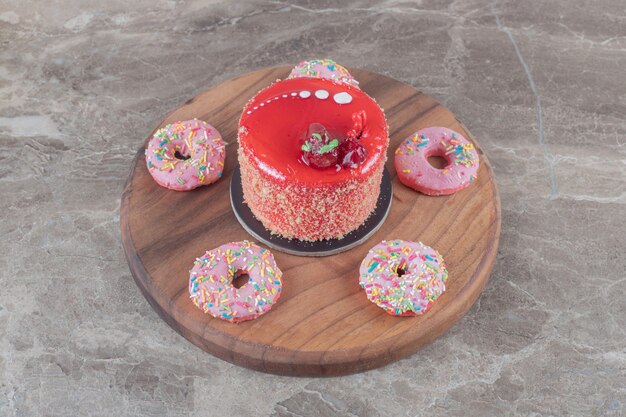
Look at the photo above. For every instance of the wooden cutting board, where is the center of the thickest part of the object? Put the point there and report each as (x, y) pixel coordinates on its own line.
(323, 324)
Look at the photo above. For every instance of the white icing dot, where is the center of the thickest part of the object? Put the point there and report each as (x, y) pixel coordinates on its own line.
(342, 98)
(284, 95)
(255, 108)
(268, 100)
(294, 94)
(305, 94)
(321, 94)
(249, 112)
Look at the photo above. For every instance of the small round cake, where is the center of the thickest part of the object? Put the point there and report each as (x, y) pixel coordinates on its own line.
(312, 153)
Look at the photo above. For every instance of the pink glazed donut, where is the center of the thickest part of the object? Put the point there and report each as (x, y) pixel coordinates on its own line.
(185, 155)
(211, 282)
(323, 68)
(414, 170)
(403, 278)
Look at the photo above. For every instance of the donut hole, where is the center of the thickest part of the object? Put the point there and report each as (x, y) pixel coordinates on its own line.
(437, 161)
(400, 271)
(241, 278)
(180, 156)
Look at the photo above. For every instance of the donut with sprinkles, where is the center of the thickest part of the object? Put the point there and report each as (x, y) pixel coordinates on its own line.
(414, 170)
(185, 155)
(403, 278)
(323, 68)
(211, 282)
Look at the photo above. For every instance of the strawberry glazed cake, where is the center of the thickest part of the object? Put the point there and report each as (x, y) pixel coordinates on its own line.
(312, 152)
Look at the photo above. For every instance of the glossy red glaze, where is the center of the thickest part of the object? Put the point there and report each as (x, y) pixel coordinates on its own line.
(274, 126)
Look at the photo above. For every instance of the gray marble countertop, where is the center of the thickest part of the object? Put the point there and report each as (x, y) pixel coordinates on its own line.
(541, 84)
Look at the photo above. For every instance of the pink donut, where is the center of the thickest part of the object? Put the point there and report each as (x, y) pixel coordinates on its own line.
(211, 282)
(403, 278)
(185, 155)
(415, 171)
(323, 68)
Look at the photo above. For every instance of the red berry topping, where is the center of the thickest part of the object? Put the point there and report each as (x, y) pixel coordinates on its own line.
(351, 153)
(321, 161)
(319, 150)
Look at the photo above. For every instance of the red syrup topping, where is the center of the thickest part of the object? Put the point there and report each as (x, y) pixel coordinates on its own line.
(281, 119)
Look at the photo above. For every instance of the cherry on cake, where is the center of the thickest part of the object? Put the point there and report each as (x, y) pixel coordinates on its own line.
(312, 153)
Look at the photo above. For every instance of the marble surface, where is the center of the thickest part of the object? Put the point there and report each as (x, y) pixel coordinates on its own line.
(540, 83)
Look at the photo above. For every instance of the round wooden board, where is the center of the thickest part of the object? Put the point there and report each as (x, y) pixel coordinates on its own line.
(323, 324)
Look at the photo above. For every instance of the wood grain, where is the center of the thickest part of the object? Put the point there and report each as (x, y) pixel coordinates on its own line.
(323, 324)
